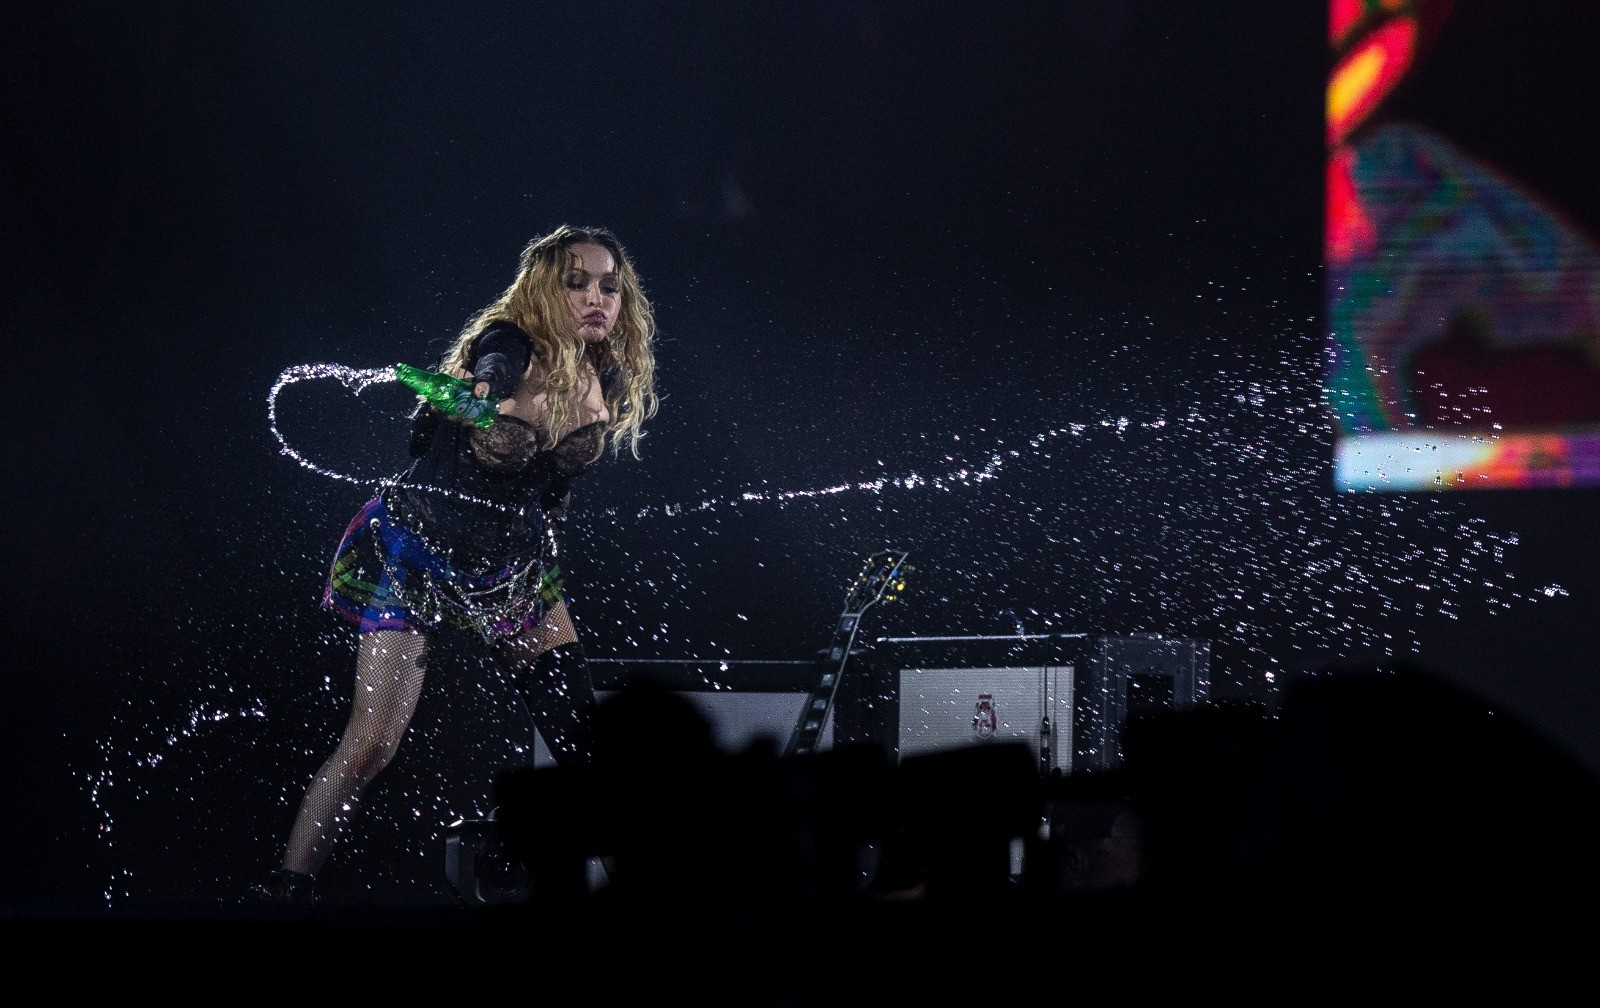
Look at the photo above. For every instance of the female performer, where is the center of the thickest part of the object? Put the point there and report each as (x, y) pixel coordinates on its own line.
(462, 538)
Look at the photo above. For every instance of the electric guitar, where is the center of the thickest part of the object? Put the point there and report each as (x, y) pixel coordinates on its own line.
(882, 579)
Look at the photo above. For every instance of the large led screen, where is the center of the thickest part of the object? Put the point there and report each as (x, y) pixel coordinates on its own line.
(1463, 350)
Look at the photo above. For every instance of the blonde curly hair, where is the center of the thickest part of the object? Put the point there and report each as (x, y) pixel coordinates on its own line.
(536, 303)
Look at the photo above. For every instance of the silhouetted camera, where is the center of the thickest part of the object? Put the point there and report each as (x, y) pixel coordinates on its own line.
(477, 866)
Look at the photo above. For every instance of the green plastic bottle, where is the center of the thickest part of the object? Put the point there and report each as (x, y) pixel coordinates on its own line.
(449, 394)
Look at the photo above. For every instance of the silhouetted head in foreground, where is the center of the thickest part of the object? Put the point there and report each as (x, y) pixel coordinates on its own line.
(1396, 777)
(645, 727)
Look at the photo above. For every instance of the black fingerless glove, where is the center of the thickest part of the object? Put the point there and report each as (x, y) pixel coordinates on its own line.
(495, 369)
(499, 358)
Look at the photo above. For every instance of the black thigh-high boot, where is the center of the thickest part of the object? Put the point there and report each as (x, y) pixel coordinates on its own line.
(558, 691)
(290, 887)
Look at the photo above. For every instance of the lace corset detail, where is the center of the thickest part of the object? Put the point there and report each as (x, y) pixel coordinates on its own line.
(510, 445)
(577, 453)
(505, 446)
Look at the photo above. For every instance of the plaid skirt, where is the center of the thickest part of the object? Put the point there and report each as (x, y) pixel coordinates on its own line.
(384, 576)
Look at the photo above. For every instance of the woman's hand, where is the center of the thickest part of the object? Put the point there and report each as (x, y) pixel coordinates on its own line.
(462, 415)
(506, 405)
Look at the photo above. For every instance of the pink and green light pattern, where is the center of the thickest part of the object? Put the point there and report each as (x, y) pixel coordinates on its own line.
(1428, 460)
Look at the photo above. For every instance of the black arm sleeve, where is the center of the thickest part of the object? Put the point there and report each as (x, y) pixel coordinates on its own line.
(423, 427)
(499, 357)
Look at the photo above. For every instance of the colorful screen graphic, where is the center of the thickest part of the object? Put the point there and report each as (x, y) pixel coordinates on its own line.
(1463, 345)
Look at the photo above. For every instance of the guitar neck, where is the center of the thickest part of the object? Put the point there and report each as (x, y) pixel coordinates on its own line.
(831, 662)
(833, 659)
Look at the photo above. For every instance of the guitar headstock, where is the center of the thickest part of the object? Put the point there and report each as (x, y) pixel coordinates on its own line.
(882, 579)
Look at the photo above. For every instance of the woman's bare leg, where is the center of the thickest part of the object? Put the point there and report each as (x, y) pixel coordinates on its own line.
(389, 670)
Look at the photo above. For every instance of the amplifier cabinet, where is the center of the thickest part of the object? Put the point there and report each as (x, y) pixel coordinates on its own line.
(914, 695)
(948, 708)
(1125, 676)
(1068, 696)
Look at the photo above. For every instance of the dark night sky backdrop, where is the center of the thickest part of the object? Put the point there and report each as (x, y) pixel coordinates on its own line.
(880, 238)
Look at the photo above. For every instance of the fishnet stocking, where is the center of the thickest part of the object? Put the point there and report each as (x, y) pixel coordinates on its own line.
(389, 670)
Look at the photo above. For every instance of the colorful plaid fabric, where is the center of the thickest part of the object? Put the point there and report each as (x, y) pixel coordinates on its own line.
(384, 577)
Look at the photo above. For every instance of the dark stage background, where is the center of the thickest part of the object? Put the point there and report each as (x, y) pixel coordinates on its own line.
(884, 240)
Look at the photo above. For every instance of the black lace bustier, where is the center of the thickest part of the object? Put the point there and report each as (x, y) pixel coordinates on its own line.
(478, 495)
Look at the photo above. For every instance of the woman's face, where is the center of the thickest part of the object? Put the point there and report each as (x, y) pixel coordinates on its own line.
(594, 294)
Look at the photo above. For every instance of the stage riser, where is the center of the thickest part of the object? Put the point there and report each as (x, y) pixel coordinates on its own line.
(739, 719)
(914, 695)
